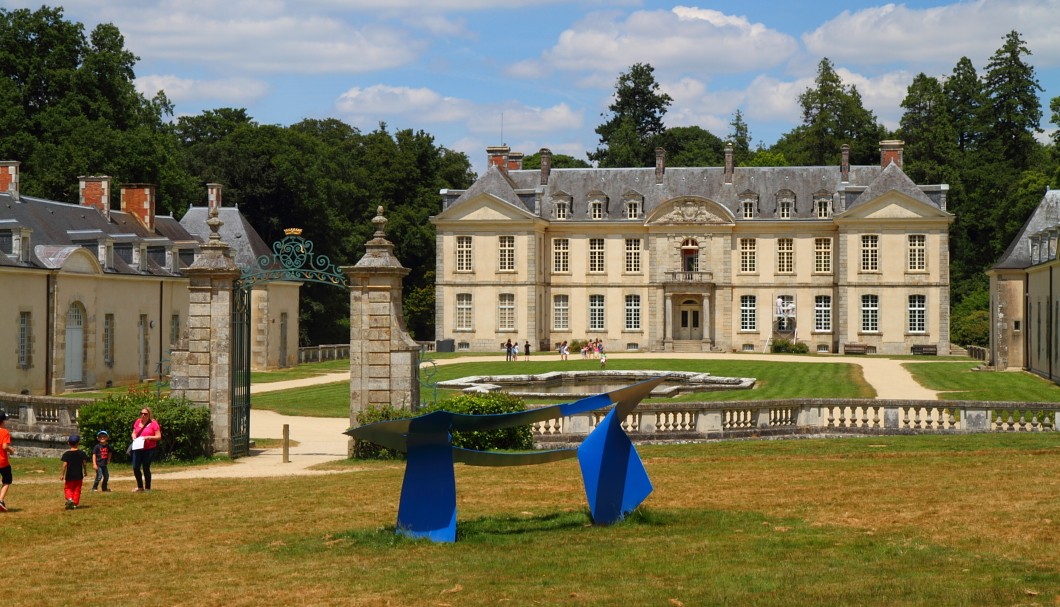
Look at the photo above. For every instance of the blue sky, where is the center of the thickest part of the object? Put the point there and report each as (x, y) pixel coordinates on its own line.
(539, 73)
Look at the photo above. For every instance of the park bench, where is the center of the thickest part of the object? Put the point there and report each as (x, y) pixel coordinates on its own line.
(855, 349)
(926, 349)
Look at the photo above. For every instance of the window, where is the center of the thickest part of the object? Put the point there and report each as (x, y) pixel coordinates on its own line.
(463, 254)
(596, 209)
(506, 312)
(786, 313)
(563, 209)
(917, 252)
(747, 313)
(561, 255)
(633, 208)
(632, 312)
(785, 256)
(174, 330)
(870, 313)
(748, 263)
(749, 204)
(870, 253)
(25, 339)
(917, 313)
(784, 208)
(633, 255)
(464, 312)
(596, 312)
(823, 206)
(108, 339)
(124, 251)
(822, 255)
(822, 313)
(7, 245)
(596, 255)
(506, 252)
(561, 312)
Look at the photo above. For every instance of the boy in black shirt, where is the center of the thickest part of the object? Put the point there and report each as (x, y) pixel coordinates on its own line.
(100, 459)
(75, 462)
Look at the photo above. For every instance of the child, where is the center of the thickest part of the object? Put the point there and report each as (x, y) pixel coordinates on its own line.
(6, 450)
(75, 463)
(603, 360)
(100, 459)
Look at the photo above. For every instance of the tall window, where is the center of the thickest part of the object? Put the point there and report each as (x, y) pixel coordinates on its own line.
(748, 262)
(561, 312)
(822, 313)
(748, 205)
(785, 255)
(596, 209)
(917, 313)
(563, 209)
(464, 312)
(506, 312)
(917, 252)
(870, 253)
(463, 254)
(25, 337)
(174, 330)
(596, 312)
(596, 256)
(870, 313)
(748, 322)
(633, 255)
(784, 208)
(506, 252)
(561, 255)
(633, 208)
(822, 255)
(632, 312)
(823, 207)
(108, 339)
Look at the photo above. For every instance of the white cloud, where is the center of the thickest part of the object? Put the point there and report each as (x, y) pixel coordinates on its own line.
(942, 34)
(700, 41)
(230, 90)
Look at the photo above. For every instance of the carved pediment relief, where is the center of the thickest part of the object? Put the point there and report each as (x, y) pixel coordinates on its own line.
(690, 212)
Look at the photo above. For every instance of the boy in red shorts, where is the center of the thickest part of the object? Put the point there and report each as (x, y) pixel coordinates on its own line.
(75, 462)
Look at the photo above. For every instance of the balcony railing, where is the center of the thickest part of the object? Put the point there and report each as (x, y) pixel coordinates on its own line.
(689, 277)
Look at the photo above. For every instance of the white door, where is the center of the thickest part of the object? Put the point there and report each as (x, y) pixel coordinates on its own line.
(688, 324)
(75, 345)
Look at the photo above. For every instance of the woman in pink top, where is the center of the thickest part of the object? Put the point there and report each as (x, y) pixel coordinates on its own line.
(147, 428)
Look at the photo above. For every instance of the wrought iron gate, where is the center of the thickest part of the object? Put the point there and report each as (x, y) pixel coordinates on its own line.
(292, 259)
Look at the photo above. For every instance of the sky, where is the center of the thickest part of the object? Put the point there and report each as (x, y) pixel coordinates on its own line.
(541, 73)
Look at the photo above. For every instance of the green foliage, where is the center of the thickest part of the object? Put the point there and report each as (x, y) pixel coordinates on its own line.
(1013, 110)
(628, 138)
(784, 346)
(370, 415)
(559, 161)
(691, 146)
(492, 403)
(970, 319)
(185, 428)
(740, 136)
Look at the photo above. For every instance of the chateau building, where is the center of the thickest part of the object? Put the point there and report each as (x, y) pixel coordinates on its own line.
(695, 259)
(95, 296)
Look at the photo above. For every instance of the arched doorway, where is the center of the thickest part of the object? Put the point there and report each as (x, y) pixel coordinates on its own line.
(75, 344)
(689, 323)
(690, 255)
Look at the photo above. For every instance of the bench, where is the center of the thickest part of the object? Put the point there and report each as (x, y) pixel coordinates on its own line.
(854, 349)
(926, 349)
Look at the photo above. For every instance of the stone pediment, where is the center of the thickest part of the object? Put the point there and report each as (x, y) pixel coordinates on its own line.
(894, 205)
(690, 211)
(485, 208)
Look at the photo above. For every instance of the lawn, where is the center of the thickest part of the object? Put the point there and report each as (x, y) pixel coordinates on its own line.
(957, 381)
(775, 380)
(914, 520)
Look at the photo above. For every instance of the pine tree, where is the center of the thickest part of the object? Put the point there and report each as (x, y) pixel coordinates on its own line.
(1013, 109)
(740, 136)
(964, 98)
(628, 137)
(930, 139)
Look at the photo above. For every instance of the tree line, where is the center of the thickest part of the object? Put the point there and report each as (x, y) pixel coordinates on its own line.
(68, 107)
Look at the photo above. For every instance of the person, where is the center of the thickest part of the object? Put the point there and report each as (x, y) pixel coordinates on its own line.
(75, 463)
(6, 451)
(603, 359)
(526, 350)
(564, 350)
(147, 428)
(100, 459)
(508, 350)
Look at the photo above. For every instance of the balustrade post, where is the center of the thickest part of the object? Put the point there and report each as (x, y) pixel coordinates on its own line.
(710, 421)
(648, 421)
(891, 418)
(975, 420)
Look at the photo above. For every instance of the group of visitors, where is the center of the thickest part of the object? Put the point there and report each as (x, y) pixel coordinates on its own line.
(511, 350)
(146, 433)
(591, 349)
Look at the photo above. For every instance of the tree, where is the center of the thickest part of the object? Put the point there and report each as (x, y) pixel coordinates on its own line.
(740, 136)
(691, 146)
(965, 97)
(1013, 110)
(832, 114)
(628, 137)
(930, 139)
(559, 161)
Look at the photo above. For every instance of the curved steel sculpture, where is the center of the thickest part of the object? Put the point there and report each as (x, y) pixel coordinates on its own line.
(614, 477)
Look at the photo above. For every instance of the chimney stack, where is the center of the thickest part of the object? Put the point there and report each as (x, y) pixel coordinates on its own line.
(213, 196)
(138, 200)
(9, 177)
(546, 164)
(728, 162)
(844, 166)
(95, 192)
(891, 151)
(498, 157)
(515, 161)
(660, 164)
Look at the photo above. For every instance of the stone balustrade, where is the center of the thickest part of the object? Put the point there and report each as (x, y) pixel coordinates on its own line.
(316, 354)
(40, 425)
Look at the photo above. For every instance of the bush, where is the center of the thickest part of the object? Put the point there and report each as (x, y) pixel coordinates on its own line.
(783, 346)
(185, 427)
(367, 450)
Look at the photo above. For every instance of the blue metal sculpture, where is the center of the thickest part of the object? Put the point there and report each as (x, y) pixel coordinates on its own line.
(614, 477)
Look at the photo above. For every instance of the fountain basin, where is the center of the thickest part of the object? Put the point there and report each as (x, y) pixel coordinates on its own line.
(578, 384)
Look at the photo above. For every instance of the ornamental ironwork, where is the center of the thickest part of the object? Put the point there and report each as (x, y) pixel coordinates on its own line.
(293, 259)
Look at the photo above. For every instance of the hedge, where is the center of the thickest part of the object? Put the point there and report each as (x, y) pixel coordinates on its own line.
(185, 427)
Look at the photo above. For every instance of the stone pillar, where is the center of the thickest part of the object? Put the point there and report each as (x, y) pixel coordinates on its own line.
(202, 371)
(384, 359)
(668, 323)
(706, 324)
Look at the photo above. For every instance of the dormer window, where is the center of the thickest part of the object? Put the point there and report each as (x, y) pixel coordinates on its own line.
(822, 205)
(563, 209)
(785, 204)
(633, 205)
(749, 205)
(124, 251)
(597, 206)
(7, 242)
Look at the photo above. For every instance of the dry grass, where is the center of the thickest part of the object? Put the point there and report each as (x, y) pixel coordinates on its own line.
(872, 521)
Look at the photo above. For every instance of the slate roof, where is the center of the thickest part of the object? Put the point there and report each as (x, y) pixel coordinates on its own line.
(245, 243)
(1046, 216)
